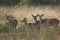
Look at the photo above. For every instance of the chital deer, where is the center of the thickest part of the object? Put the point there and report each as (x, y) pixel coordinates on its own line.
(53, 22)
(30, 27)
(49, 22)
(37, 23)
(11, 23)
(41, 20)
(35, 19)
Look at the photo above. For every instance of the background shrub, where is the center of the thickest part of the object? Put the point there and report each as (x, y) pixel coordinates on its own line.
(9, 2)
(15, 2)
(40, 1)
(4, 28)
(21, 29)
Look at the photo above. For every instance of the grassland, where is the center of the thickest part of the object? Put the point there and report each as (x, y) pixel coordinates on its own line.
(49, 11)
(45, 34)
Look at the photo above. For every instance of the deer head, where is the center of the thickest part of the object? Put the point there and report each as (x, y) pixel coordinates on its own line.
(7, 17)
(40, 16)
(35, 17)
(11, 23)
(24, 20)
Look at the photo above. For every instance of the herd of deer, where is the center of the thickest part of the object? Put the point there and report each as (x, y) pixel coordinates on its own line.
(53, 22)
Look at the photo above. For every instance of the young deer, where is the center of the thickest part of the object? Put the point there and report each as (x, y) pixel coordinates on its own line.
(49, 22)
(11, 23)
(53, 22)
(35, 19)
(37, 23)
(41, 21)
(28, 26)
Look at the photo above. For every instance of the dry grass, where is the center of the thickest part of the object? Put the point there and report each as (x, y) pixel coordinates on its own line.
(45, 34)
(26, 11)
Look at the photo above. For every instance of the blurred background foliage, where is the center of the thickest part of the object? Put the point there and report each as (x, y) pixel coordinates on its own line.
(30, 2)
(9, 2)
(12, 17)
(21, 29)
(5, 28)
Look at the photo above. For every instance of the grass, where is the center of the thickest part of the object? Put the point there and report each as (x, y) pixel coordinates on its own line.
(46, 33)
(50, 33)
(4, 28)
(21, 29)
(49, 11)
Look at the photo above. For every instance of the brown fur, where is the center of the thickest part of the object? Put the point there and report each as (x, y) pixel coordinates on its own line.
(37, 23)
(12, 23)
(29, 26)
(49, 22)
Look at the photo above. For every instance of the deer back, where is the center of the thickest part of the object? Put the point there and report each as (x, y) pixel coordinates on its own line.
(50, 22)
(44, 22)
(53, 22)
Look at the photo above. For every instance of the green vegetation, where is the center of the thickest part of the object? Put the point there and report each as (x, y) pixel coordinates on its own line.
(4, 28)
(15, 2)
(52, 34)
(44, 2)
(46, 33)
(9, 2)
(12, 17)
(21, 29)
(49, 33)
(25, 1)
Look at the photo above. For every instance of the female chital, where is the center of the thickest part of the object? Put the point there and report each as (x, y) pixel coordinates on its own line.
(37, 23)
(11, 23)
(49, 22)
(28, 26)
(31, 26)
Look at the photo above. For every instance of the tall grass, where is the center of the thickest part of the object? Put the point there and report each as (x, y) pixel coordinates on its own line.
(48, 33)
(49, 11)
(4, 28)
(21, 29)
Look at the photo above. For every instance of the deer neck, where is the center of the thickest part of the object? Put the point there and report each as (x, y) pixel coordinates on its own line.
(40, 19)
(25, 23)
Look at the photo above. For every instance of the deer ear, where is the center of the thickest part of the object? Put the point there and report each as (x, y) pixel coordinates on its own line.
(5, 14)
(42, 14)
(38, 15)
(32, 15)
(21, 21)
